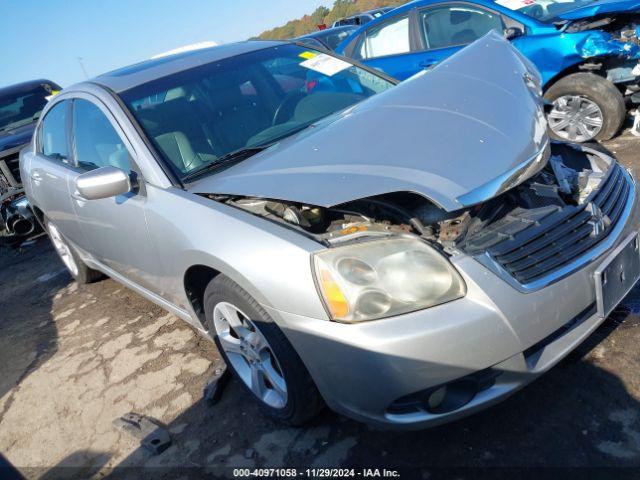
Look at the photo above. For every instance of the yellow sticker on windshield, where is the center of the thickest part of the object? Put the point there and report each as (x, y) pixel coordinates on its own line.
(307, 55)
(53, 94)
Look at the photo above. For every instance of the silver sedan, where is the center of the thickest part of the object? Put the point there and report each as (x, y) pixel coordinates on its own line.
(406, 254)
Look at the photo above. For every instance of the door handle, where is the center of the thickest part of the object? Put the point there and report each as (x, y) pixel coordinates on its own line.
(36, 178)
(427, 63)
(76, 196)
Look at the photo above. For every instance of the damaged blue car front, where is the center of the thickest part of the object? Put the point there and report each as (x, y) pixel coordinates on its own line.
(587, 51)
(593, 34)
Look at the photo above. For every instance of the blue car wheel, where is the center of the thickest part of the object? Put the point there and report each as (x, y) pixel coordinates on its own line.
(586, 107)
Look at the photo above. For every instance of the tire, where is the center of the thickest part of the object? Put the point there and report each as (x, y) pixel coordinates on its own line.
(591, 88)
(80, 272)
(303, 401)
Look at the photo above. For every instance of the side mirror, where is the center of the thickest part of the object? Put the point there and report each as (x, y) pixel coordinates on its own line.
(103, 182)
(513, 32)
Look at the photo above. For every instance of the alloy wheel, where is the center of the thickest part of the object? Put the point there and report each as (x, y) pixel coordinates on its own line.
(250, 354)
(575, 118)
(63, 250)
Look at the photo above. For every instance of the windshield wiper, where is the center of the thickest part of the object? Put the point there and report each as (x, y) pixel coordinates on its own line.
(225, 160)
(243, 153)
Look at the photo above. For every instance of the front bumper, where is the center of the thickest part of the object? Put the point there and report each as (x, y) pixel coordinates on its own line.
(362, 369)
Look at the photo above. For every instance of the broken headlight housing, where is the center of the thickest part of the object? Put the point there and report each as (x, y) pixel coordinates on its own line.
(382, 278)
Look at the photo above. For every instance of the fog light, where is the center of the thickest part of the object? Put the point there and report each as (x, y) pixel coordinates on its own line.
(452, 396)
(437, 397)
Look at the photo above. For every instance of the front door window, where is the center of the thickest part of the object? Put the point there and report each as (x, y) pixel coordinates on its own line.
(455, 25)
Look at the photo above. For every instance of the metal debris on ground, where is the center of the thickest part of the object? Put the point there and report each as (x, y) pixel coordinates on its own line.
(635, 130)
(152, 436)
(213, 389)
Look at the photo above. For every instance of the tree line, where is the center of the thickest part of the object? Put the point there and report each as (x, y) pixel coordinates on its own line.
(324, 16)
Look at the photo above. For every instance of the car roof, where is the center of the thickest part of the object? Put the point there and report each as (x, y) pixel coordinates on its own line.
(367, 12)
(143, 72)
(26, 87)
(373, 11)
(329, 31)
(381, 9)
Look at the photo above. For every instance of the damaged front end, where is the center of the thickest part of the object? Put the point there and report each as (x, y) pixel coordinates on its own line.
(612, 48)
(529, 232)
(17, 221)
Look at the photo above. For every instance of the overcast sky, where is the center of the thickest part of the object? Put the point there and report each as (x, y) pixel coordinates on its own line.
(44, 38)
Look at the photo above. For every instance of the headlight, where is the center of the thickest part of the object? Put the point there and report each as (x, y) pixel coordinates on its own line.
(382, 278)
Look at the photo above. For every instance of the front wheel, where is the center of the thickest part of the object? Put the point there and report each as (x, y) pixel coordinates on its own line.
(259, 354)
(585, 107)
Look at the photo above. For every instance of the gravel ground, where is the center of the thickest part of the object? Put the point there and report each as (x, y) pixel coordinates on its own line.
(73, 359)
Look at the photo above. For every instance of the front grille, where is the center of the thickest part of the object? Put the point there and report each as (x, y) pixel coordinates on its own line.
(555, 240)
(12, 162)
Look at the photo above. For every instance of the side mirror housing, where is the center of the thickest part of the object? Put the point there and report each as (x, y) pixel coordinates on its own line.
(513, 32)
(103, 182)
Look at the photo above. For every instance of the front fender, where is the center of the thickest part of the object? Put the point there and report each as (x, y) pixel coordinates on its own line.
(269, 261)
(554, 53)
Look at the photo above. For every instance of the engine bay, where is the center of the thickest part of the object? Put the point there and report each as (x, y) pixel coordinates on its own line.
(569, 178)
(622, 27)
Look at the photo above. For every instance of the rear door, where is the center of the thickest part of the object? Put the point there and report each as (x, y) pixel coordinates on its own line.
(51, 171)
(390, 46)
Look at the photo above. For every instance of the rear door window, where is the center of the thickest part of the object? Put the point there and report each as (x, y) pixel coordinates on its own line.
(390, 38)
(54, 142)
(457, 24)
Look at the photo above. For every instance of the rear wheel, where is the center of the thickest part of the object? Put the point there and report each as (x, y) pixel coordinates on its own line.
(72, 261)
(586, 107)
(259, 354)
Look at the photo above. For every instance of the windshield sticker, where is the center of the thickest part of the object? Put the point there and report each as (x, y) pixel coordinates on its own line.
(325, 64)
(307, 55)
(53, 94)
(515, 4)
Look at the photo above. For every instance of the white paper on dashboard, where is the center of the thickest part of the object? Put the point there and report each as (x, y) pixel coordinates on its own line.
(515, 4)
(325, 64)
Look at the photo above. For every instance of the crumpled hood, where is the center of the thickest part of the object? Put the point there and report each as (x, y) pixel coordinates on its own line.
(16, 137)
(459, 134)
(601, 8)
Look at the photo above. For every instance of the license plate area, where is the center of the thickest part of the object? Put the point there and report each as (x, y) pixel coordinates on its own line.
(617, 275)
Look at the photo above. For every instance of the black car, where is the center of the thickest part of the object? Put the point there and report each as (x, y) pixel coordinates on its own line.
(20, 107)
(328, 38)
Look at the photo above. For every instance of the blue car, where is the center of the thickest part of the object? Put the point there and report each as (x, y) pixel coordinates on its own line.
(587, 51)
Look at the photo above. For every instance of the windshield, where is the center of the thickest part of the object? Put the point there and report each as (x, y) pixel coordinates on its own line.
(199, 116)
(22, 108)
(543, 10)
